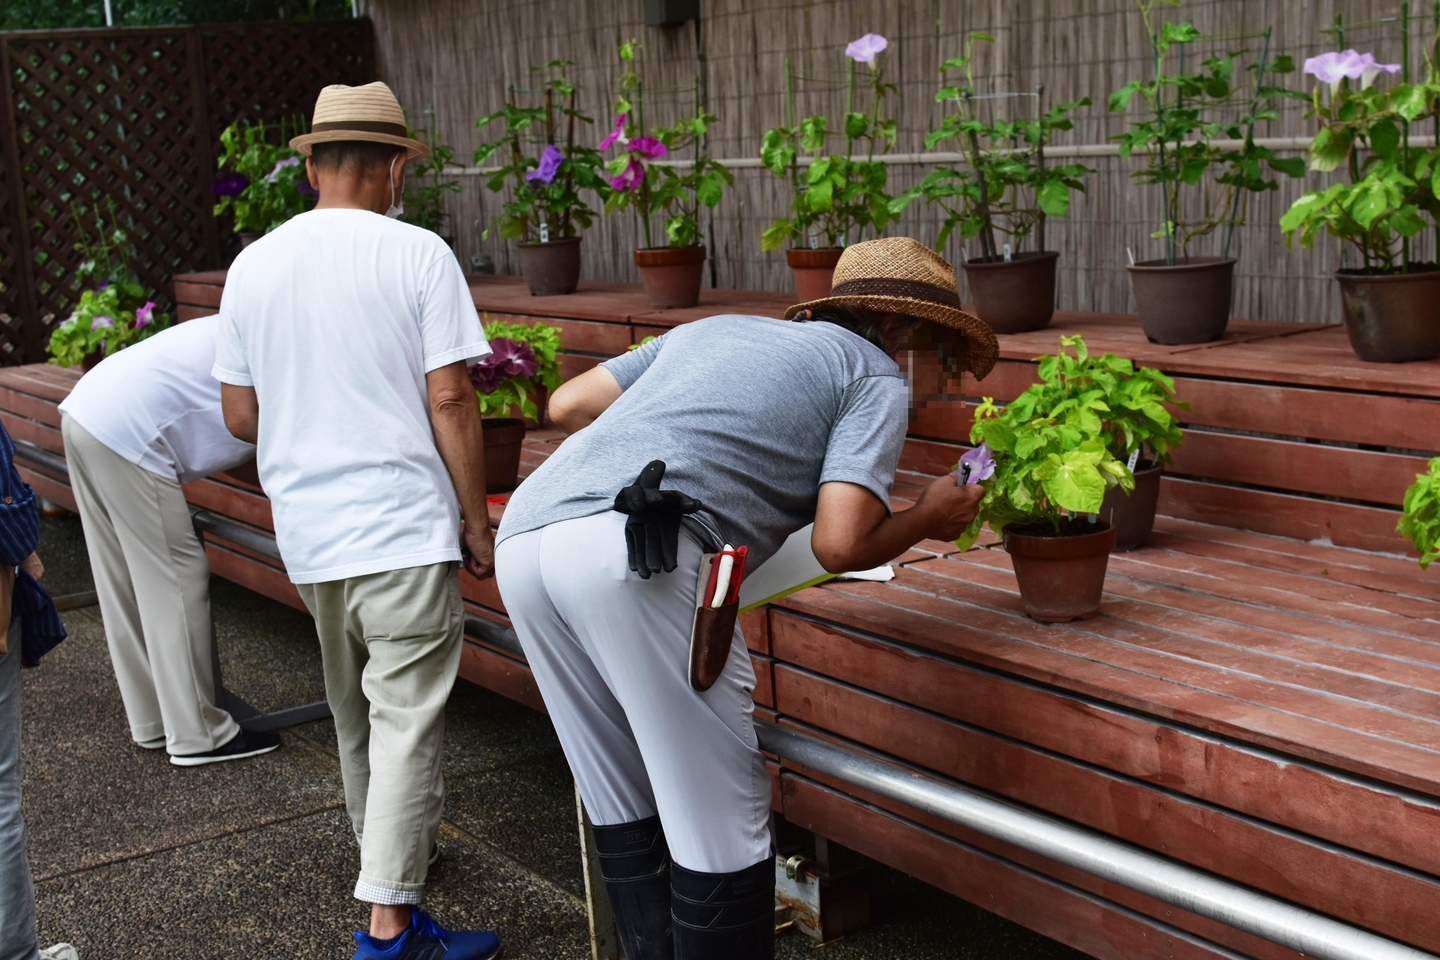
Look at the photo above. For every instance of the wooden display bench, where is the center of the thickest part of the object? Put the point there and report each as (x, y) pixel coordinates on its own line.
(1260, 697)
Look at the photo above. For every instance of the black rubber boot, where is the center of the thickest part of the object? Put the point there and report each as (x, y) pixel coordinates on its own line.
(635, 862)
(724, 916)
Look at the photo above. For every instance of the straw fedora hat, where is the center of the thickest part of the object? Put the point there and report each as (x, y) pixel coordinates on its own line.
(902, 275)
(369, 112)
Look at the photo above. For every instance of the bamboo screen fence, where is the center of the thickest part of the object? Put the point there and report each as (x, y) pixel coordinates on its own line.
(133, 116)
(458, 58)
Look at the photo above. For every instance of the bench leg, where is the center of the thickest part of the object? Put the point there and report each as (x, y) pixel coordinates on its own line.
(604, 938)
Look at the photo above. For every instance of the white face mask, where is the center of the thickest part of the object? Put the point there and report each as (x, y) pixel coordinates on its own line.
(395, 209)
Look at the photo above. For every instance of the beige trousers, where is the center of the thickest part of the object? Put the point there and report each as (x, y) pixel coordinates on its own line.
(153, 583)
(391, 646)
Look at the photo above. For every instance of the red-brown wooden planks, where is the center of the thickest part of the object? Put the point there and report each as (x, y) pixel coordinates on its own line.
(48, 488)
(228, 561)
(490, 668)
(231, 501)
(42, 436)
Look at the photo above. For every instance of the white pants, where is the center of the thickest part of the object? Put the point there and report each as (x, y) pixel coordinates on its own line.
(610, 653)
(153, 582)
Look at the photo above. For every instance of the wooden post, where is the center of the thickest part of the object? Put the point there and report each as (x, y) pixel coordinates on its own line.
(604, 940)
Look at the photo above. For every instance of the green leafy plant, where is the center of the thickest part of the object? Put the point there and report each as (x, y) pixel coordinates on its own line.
(1391, 184)
(1420, 521)
(115, 311)
(1188, 113)
(263, 182)
(545, 203)
(1007, 186)
(1138, 422)
(425, 186)
(1052, 447)
(524, 359)
(837, 197)
(642, 179)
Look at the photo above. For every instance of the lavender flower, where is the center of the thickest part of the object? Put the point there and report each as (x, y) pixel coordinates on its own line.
(866, 48)
(980, 460)
(618, 134)
(647, 148)
(630, 177)
(550, 161)
(102, 322)
(1336, 66)
(508, 358)
(281, 165)
(145, 315)
(229, 185)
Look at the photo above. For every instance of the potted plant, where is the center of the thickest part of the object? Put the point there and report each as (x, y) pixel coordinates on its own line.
(838, 197)
(262, 184)
(115, 311)
(1006, 188)
(544, 214)
(425, 190)
(1184, 297)
(1046, 464)
(672, 191)
(1420, 521)
(1389, 299)
(517, 377)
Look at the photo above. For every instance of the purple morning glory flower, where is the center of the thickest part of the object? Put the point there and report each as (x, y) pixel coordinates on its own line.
(550, 162)
(630, 177)
(866, 48)
(981, 463)
(1335, 66)
(647, 148)
(101, 285)
(616, 135)
(102, 322)
(229, 185)
(508, 358)
(145, 315)
(281, 165)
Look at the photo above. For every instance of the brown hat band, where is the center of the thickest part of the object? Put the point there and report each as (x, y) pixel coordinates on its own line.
(893, 287)
(362, 126)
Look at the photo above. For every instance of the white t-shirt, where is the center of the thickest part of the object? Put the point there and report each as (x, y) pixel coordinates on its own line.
(335, 318)
(157, 405)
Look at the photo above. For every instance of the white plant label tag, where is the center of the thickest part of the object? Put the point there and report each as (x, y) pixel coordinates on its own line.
(1134, 459)
(1007, 253)
(814, 240)
(544, 233)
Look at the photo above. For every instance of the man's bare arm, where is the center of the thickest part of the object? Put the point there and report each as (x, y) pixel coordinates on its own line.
(241, 408)
(460, 438)
(579, 402)
(854, 531)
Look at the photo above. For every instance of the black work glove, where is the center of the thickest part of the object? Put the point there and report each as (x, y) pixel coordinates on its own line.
(652, 534)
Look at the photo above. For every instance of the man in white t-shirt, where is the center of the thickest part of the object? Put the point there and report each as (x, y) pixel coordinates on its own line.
(143, 422)
(344, 344)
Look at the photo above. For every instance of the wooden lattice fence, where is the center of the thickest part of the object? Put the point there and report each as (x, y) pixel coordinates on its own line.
(131, 116)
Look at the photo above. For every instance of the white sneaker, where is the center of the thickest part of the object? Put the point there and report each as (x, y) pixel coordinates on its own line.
(155, 744)
(61, 951)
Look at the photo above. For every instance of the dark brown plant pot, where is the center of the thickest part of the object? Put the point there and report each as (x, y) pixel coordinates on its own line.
(248, 237)
(814, 271)
(1014, 296)
(671, 275)
(1186, 303)
(1133, 516)
(1392, 318)
(1061, 578)
(504, 437)
(92, 360)
(551, 269)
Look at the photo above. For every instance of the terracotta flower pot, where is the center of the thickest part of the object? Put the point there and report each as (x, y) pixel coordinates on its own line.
(1014, 296)
(551, 269)
(504, 437)
(814, 271)
(1133, 516)
(1061, 578)
(671, 275)
(1186, 303)
(1392, 318)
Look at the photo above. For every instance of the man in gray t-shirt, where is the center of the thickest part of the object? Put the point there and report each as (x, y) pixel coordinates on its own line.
(769, 425)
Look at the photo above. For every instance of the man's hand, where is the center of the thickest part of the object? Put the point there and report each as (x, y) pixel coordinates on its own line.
(854, 531)
(949, 507)
(33, 566)
(478, 549)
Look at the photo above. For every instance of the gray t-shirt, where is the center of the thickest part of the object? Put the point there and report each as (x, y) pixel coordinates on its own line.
(750, 415)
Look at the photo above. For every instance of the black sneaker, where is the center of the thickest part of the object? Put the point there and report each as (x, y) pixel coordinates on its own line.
(246, 743)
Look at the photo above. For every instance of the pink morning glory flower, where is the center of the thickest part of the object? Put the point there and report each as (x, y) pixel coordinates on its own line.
(102, 322)
(866, 48)
(981, 463)
(287, 162)
(1335, 66)
(647, 148)
(145, 315)
(550, 161)
(618, 134)
(630, 177)
(508, 358)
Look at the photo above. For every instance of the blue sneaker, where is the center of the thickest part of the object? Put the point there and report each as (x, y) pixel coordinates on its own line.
(427, 940)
